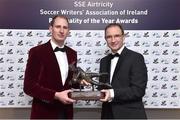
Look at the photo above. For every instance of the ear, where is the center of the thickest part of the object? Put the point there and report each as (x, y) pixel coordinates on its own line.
(123, 39)
(50, 28)
(68, 32)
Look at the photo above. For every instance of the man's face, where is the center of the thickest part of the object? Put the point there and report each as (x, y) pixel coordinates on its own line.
(114, 38)
(59, 30)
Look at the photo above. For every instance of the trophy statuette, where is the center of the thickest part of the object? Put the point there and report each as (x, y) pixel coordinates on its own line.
(78, 75)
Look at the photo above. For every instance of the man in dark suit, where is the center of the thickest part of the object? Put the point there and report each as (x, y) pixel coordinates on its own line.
(47, 74)
(127, 75)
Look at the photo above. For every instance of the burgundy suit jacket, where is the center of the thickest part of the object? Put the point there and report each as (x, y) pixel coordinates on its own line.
(43, 79)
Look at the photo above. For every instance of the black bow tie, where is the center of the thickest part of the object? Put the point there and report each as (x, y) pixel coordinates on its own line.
(114, 55)
(60, 49)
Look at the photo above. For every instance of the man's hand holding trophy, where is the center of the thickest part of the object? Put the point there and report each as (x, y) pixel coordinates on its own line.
(83, 78)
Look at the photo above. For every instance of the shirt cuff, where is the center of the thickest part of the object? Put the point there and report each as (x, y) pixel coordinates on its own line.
(111, 94)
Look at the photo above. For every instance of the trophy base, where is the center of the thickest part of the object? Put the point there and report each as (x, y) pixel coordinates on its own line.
(86, 95)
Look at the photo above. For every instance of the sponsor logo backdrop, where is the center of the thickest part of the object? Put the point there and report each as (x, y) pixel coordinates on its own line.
(151, 31)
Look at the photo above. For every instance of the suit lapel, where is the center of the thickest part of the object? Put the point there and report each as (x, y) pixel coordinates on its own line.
(52, 61)
(121, 58)
(69, 56)
(108, 66)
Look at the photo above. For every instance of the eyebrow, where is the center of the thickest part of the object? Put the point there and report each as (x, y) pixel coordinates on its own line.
(61, 26)
(116, 35)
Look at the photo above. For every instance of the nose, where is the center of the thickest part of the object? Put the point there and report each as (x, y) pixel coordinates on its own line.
(61, 30)
(113, 39)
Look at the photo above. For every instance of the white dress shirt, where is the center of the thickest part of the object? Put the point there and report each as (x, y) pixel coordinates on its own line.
(62, 62)
(113, 66)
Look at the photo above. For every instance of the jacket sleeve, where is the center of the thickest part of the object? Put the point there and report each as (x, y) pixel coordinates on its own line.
(31, 85)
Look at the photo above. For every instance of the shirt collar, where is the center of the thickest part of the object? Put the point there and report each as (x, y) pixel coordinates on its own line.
(54, 45)
(120, 50)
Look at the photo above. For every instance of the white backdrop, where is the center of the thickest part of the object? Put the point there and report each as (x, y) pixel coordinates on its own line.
(160, 48)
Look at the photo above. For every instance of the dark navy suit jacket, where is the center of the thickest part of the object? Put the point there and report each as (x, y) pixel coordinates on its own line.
(129, 84)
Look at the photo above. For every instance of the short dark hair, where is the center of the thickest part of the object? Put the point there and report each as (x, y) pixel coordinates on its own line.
(114, 24)
(60, 16)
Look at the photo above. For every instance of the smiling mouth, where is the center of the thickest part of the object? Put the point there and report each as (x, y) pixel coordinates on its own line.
(61, 36)
(113, 45)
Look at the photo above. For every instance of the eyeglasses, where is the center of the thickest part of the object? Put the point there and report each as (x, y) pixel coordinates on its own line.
(109, 37)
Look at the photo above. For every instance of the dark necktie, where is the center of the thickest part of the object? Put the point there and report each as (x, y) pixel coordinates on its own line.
(60, 49)
(114, 55)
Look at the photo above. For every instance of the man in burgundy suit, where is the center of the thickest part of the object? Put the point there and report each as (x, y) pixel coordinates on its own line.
(127, 75)
(47, 74)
